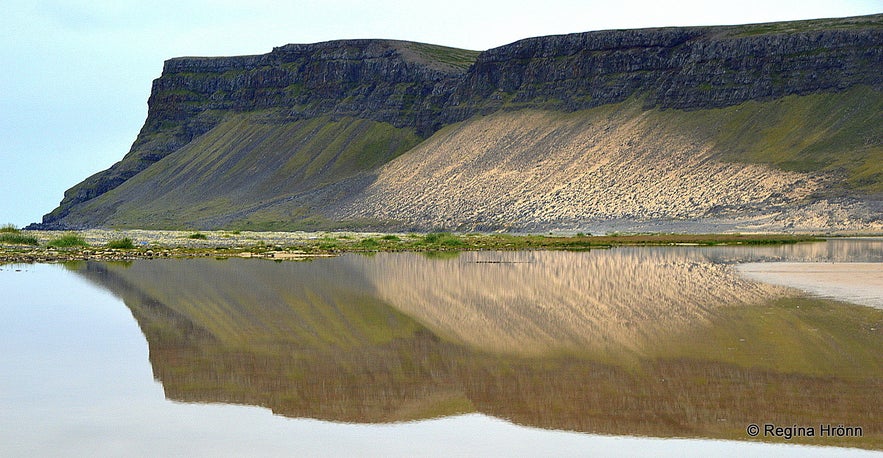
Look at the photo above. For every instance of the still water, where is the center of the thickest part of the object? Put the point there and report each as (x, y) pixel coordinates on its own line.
(623, 352)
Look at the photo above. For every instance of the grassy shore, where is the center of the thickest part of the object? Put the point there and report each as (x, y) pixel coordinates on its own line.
(47, 246)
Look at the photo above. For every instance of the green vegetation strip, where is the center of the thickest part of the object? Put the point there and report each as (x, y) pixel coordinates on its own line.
(18, 247)
(18, 239)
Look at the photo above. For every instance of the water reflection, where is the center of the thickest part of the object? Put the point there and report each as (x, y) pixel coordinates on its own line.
(865, 249)
(531, 303)
(659, 342)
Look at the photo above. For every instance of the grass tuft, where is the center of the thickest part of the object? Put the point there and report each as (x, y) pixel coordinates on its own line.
(17, 238)
(445, 239)
(9, 228)
(370, 244)
(121, 244)
(68, 241)
(197, 236)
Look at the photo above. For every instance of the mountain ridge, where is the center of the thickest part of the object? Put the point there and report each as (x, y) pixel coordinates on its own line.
(417, 89)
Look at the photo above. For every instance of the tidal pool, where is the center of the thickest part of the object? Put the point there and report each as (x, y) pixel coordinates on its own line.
(622, 352)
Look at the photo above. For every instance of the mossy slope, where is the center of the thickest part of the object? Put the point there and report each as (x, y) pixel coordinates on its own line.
(250, 164)
(835, 133)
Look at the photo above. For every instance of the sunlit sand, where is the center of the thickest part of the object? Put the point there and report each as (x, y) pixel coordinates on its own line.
(856, 282)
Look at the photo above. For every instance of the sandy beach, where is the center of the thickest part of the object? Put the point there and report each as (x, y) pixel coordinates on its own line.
(856, 282)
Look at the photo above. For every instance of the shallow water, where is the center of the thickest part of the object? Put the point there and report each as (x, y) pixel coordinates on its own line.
(610, 352)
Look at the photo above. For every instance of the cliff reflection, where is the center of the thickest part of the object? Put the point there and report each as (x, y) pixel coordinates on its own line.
(532, 302)
(636, 342)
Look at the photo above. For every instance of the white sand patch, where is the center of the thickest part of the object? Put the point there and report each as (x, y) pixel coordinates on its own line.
(856, 282)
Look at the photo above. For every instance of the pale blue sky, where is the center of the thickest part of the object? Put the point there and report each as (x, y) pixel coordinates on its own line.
(76, 74)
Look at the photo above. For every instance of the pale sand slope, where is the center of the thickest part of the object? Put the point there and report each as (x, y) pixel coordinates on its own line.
(531, 167)
(856, 282)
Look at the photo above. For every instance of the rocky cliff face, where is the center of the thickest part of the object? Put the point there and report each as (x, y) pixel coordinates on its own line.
(388, 81)
(687, 68)
(424, 87)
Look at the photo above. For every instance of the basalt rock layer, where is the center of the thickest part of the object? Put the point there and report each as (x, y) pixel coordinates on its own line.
(772, 126)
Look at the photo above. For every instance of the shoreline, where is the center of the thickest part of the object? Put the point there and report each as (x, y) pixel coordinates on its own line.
(150, 244)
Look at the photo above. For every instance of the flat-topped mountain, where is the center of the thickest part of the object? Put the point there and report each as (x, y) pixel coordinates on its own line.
(766, 126)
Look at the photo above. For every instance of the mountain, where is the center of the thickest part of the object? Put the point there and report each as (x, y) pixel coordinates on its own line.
(765, 126)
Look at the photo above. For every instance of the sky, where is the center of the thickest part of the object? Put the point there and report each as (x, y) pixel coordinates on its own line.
(75, 75)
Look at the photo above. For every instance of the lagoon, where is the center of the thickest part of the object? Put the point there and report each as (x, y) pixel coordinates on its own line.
(628, 351)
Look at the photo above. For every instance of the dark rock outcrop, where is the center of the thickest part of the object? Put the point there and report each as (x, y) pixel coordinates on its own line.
(425, 87)
(685, 68)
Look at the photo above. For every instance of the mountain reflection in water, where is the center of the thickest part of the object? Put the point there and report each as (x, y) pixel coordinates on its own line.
(656, 342)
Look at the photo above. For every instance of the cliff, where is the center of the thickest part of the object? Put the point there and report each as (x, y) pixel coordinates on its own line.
(686, 68)
(402, 93)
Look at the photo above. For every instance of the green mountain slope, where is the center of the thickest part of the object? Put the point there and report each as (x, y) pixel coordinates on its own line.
(836, 133)
(251, 164)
